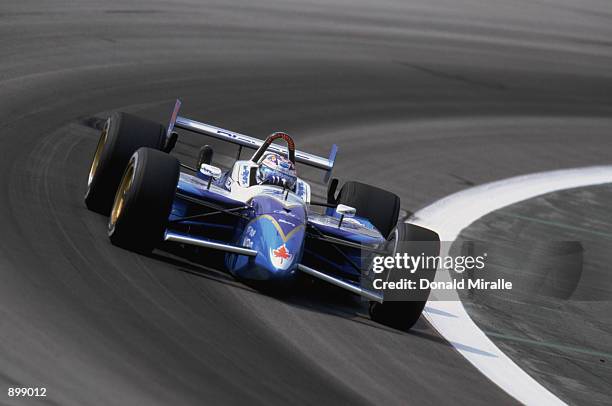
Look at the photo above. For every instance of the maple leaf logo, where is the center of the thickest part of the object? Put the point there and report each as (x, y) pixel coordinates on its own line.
(281, 253)
(281, 257)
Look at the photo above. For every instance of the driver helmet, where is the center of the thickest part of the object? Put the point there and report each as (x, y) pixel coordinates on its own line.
(277, 170)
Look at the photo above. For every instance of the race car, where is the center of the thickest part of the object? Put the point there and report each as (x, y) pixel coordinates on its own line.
(258, 212)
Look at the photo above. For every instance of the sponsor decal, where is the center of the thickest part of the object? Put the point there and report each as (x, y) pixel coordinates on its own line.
(251, 231)
(280, 220)
(281, 257)
(285, 213)
(245, 175)
(247, 242)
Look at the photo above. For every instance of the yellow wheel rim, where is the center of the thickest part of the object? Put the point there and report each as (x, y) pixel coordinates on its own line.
(98, 154)
(120, 197)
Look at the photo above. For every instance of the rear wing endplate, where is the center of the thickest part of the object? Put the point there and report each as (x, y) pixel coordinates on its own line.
(176, 121)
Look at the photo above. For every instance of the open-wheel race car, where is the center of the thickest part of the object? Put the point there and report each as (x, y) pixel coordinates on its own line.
(258, 212)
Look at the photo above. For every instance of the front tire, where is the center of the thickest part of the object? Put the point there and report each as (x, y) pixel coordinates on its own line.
(143, 201)
(404, 314)
(121, 136)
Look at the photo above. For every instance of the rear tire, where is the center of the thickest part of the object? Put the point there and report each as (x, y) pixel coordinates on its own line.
(143, 202)
(404, 314)
(377, 205)
(121, 136)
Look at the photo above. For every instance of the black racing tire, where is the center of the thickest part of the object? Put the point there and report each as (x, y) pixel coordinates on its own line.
(143, 202)
(404, 314)
(121, 136)
(377, 205)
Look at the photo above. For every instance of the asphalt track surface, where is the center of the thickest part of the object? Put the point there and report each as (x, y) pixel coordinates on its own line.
(423, 98)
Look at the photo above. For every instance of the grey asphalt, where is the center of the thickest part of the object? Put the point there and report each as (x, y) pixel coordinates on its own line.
(423, 98)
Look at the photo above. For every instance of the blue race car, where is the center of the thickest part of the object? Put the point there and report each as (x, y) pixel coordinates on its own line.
(258, 212)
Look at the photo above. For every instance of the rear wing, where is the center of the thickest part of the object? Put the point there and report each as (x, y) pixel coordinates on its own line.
(176, 121)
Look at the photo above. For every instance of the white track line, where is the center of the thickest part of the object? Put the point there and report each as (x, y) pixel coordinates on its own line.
(452, 214)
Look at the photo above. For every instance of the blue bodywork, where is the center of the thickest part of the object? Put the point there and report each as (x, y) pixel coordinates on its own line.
(279, 225)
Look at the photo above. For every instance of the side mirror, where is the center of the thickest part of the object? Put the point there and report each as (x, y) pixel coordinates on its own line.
(346, 211)
(210, 171)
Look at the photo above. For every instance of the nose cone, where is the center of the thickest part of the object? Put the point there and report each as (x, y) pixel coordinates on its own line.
(282, 243)
(278, 237)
